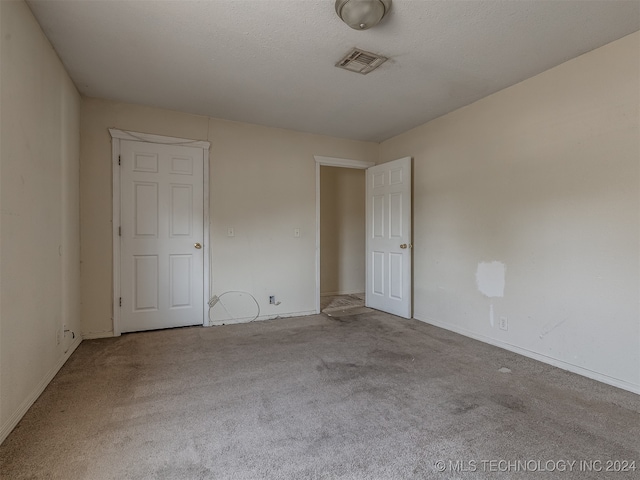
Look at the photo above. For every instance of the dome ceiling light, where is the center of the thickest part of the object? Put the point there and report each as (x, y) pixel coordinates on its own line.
(362, 14)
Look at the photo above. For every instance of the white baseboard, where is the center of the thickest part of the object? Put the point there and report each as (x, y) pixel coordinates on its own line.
(13, 420)
(614, 382)
(349, 292)
(234, 321)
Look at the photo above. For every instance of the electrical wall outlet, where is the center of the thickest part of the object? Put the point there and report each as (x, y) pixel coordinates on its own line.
(504, 325)
(230, 232)
(272, 299)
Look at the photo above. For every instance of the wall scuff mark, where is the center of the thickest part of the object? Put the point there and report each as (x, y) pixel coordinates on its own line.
(549, 327)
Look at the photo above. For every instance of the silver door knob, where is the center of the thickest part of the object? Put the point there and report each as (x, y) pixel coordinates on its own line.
(197, 245)
(404, 245)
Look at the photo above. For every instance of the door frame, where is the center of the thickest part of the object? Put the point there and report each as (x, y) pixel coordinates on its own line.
(116, 137)
(329, 162)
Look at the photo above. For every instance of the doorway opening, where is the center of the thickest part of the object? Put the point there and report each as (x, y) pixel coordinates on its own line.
(340, 236)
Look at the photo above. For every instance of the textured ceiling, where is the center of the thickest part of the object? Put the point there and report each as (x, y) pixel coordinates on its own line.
(271, 62)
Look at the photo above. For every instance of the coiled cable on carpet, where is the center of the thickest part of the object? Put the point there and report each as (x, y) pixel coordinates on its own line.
(215, 299)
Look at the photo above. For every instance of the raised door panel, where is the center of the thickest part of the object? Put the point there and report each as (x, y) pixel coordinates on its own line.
(145, 209)
(378, 273)
(396, 279)
(377, 217)
(180, 277)
(181, 211)
(145, 283)
(395, 216)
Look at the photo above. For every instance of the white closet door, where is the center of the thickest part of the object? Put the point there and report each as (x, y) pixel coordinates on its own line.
(162, 251)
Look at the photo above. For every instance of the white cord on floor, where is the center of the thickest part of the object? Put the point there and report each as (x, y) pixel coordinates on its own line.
(218, 299)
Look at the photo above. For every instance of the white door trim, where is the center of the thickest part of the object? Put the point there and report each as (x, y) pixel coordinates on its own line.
(161, 139)
(116, 137)
(329, 162)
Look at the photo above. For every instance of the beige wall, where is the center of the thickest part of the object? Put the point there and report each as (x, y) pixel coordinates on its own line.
(542, 177)
(262, 183)
(39, 279)
(342, 230)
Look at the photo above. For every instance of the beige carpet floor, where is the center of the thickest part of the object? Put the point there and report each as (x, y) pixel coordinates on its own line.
(367, 396)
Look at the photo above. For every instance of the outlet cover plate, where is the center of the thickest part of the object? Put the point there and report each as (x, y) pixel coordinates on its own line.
(504, 324)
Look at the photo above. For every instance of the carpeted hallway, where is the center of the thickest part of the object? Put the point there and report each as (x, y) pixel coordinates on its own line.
(364, 396)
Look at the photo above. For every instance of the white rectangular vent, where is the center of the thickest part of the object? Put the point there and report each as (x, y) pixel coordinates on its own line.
(360, 61)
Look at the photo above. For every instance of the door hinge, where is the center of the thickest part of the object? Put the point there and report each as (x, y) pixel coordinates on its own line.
(120, 301)
(119, 231)
(119, 159)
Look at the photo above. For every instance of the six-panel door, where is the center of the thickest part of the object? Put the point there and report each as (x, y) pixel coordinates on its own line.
(161, 230)
(388, 240)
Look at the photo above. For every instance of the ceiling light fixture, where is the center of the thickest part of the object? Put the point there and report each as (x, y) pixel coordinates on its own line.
(362, 14)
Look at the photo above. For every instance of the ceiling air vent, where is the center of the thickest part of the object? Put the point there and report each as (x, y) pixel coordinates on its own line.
(360, 61)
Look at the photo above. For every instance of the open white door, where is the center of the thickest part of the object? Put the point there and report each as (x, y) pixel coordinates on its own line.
(388, 226)
(162, 236)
